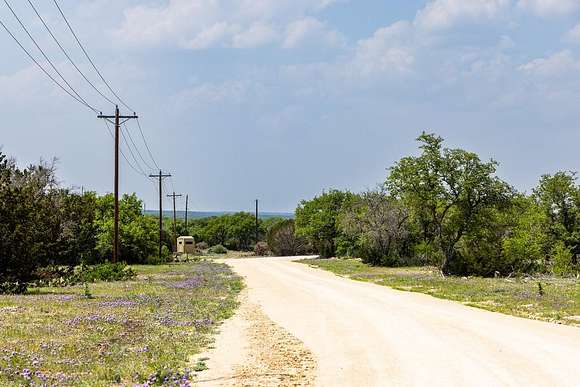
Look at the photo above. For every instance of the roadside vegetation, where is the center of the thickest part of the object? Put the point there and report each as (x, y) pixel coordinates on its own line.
(234, 232)
(448, 209)
(543, 297)
(144, 331)
(52, 235)
(47, 231)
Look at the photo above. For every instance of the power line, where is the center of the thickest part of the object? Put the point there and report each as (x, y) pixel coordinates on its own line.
(138, 169)
(172, 183)
(67, 55)
(131, 151)
(137, 149)
(89, 58)
(122, 153)
(46, 57)
(44, 70)
(98, 91)
(145, 142)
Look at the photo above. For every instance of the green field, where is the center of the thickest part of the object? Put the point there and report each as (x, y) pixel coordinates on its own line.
(557, 301)
(146, 330)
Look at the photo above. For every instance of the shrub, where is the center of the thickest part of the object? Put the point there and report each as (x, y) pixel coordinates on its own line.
(261, 249)
(378, 225)
(201, 246)
(317, 220)
(106, 272)
(562, 259)
(283, 240)
(13, 287)
(217, 249)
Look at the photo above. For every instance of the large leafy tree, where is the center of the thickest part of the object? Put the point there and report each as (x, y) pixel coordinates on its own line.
(40, 223)
(235, 231)
(450, 192)
(138, 233)
(558, 196)
(318, 220)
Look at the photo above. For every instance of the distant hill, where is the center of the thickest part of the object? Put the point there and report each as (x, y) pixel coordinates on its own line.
(208, 214)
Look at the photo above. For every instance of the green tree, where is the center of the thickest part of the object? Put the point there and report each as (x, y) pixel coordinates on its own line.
(449, 192)
(39, 224)
(558, 196)
(234, 231)
(138, 233)
(379, 224)
(318, 220)
(526, 245)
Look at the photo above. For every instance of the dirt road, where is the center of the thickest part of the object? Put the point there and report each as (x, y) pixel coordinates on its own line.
(367, 335)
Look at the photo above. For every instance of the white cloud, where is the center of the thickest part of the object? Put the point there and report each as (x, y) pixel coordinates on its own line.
(440, 14)
(387, 51)
(556, 65)
(258, 34)
(574, 34)
(310, 30)
(210, 36)
(199, 24)
(546, 8)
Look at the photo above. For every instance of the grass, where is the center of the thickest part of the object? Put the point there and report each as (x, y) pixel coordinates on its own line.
(557, 301)
(144, 331)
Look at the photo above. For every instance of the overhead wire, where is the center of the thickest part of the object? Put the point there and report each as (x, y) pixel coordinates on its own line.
(89, 58)
(123, 153)
(146, 145)
(73, 92)
(137, 149)
(172, 183)
(46, 57)
(37, 63)
(124, 137)
(107, 84)
(67, 54)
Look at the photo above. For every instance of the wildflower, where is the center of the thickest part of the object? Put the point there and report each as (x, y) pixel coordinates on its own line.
(117, 303)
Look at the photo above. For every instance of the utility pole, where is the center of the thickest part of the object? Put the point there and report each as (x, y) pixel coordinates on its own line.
(174, 195)
(186, 203)
(257, 222)
(117, 117)
(161, 176)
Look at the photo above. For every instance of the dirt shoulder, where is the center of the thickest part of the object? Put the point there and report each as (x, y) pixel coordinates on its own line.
(252, 350)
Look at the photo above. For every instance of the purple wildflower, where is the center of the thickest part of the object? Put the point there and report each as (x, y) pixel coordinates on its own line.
(189, 283)
(117, 303)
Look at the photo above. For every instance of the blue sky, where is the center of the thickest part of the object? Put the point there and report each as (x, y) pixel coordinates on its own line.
(280, 99)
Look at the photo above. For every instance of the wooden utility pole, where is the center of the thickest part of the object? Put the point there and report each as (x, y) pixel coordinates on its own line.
(117, 117)
(161, 176)
(257, 222)
(174, 195)
(186, 203)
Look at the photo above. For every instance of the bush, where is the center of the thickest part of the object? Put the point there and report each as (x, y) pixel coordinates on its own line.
(217, 249)
(201, 246)
(376, 228)
(283, 240)
(261, 249)
(106, 272)
(562, 259)
(317, 220)
(13, 287)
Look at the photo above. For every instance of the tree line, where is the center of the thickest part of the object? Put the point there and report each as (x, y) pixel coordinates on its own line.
(447, 207)
(43, 224)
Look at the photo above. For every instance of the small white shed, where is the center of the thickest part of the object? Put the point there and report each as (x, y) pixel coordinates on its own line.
(185, 245)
